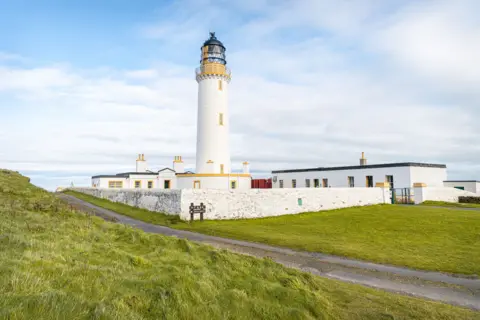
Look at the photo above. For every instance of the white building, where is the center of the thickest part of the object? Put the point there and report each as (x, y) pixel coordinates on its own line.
(213, 166)
(467, 185)
(399, 175)
(141, 178)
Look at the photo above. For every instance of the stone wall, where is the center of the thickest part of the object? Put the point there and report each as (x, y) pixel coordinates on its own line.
(244, 204)
(166, 201)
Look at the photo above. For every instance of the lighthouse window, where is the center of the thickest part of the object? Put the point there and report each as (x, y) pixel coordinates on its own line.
(220, 85)
(221, 168)
(220, 119)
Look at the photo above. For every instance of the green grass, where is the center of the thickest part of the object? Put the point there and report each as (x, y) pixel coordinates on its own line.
(450, 204)
(56, 263)
(419, 237)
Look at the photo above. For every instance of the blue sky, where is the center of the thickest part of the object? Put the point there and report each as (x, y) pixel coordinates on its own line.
(87, 85)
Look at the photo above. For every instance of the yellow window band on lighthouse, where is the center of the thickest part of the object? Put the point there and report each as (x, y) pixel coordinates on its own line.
(220, 119)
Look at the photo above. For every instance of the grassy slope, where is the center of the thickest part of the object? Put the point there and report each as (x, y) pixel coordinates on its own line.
(59, 264)
(417, 237)
(451, 204)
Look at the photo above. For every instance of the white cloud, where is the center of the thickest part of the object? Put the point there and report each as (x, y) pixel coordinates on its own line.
(337, 86)
(439, 40)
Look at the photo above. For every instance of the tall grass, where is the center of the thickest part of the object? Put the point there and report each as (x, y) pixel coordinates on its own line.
(56, 263)
(418, 237)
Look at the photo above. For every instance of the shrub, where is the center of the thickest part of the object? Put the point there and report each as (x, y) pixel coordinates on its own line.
(469, 200)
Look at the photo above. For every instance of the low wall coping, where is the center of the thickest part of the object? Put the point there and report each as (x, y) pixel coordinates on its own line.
(419, 185)
(382, 185)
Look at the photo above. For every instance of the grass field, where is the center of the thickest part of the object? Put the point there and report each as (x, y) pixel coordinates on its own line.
(60, 264)
(450, 204)
(418, 237)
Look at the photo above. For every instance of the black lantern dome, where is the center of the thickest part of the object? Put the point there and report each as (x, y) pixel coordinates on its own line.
(213, 51)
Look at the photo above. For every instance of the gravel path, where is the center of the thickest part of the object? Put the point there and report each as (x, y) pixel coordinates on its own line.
(447, 288)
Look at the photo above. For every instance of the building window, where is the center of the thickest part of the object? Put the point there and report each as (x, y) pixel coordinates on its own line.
(150, 184)
(316, 183)
(389, 179)
(115, 184)
(166, 184)
(351, 182)
(138, 184)
(196, 184)
(325, 183)
(221, 168)
(369, 181)
(294, 183)
(220, 119)
(281, 183)
(220, 85)
(307, 183)
(233, 184)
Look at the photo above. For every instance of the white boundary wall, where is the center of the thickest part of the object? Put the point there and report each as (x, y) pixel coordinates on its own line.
(244, 204)
(258, 203)
(159, 200)
(440, 194)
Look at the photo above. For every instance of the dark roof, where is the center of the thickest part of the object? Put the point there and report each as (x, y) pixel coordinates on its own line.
(166, 169)
(213, 41)
(462, 181)
(369, 166)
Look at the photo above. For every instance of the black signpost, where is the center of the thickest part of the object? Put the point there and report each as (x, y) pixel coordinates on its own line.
(197, 210)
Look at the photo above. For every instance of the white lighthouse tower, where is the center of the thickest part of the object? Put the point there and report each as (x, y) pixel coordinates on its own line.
(213, 77)
(213, 167)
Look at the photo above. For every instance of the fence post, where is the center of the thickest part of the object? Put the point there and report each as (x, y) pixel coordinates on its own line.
(420, 191)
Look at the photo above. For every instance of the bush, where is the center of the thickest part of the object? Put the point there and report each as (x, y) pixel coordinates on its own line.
(469, 200)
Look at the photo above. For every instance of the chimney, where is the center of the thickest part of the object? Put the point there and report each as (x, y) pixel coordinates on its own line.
(246, 167)
(141, 164)
(363, 160)
(178, 165)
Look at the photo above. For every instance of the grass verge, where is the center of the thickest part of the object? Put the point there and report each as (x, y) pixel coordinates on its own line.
(418, 237)
(450, 204)
(59, 264)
